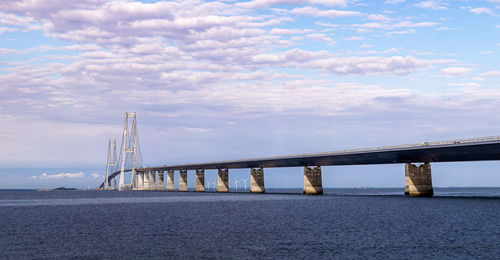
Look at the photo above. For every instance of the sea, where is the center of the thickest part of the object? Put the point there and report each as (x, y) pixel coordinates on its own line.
(364, 223)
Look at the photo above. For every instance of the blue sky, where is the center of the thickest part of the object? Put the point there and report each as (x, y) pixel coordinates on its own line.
(216, 80)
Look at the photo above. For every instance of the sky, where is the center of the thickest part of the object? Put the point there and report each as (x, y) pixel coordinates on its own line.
(220, 80)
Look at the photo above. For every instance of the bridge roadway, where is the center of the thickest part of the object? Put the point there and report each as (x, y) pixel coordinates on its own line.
(476, 149)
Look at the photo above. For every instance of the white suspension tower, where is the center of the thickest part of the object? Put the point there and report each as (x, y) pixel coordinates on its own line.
(126, 150)
(111, 143)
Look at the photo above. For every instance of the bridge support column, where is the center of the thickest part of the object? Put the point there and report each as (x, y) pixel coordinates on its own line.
(160, 186)
(183, 180)
(170, 180)
(200, 181)
(418, 180)
(152, 180)
(223, 180)
(312, 181)
(257, 180)
(140, 180)
(145, 181)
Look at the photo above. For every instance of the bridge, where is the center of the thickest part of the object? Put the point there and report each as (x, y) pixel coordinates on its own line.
(415, 157)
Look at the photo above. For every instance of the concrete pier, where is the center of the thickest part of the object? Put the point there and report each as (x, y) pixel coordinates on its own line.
(199, 181)
(140, 180)
(161, 178)
(418, 180)
(183, 180)
(312, 181)
(170, 180)
(152, 180)
(257, 180)
(223, 180)
(145, 185)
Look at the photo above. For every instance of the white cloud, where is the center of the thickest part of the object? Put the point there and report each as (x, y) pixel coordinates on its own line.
(465, 85)
(267, 3)
(315, 12)
(83, 47)
(288, 57)
(455, 71)
(482, 10)
(401, 32)
(11, 19)
(485, 52)
(354, 38)
(494, 73)
(96, 175)
(6, 29)
(391, 26)
(320, 37)
(407, 24)
(341, 3)
(59, 176)
(43, 7)
(330, 25)
(288, 31)
(431, 4)
(322, 61)
(197, 130)
(372, 52)
(378, 17)
(443, 28)
(393, 2)
(7, 50)
(397, 65)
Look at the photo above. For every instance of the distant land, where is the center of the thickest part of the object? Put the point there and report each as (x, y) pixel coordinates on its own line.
(58, 188)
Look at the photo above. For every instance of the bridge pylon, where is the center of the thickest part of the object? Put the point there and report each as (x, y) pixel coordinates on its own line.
(128, 148)
(110, 164)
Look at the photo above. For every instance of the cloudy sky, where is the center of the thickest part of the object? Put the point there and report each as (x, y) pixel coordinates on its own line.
(218, 80)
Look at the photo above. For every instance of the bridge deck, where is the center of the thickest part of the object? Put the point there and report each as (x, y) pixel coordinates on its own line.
(435, 152)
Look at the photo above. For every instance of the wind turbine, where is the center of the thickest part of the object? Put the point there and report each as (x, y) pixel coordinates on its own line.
(236, 184)
(245, 180)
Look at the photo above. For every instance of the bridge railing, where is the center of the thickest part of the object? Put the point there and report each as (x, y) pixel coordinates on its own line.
(404, 146)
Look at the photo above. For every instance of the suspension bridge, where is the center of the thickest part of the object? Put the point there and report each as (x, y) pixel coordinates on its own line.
(415, 157)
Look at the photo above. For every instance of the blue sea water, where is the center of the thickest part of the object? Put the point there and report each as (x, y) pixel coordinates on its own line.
(342, 224)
